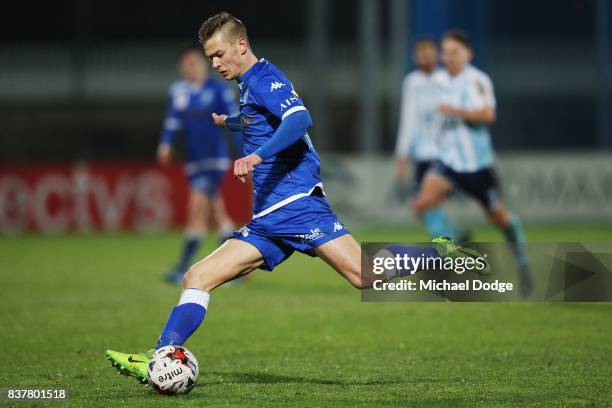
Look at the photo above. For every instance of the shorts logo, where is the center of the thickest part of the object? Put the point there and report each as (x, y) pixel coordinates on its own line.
(338, 226)
(314, 234)
(276, 85)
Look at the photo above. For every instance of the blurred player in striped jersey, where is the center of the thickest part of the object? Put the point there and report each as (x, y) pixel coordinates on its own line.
(191, 102)
(466, 158)
(416, 140)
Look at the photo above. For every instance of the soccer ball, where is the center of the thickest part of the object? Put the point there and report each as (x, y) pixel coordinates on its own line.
(173, 370)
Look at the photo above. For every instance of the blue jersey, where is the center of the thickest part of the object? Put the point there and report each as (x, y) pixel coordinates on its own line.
(189, 111)
(266, 98)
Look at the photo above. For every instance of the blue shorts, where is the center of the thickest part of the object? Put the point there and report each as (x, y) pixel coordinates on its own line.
(481, 184)
(207, 182)
(300, 226)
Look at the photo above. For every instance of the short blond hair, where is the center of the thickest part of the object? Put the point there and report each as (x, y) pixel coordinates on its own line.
(225, 22)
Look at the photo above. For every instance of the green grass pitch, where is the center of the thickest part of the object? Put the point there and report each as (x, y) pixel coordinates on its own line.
(296, 337)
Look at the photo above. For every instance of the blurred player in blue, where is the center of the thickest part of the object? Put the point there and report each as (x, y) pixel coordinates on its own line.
(417, 144)
(466, 159)
(290, 210)
(191, 103)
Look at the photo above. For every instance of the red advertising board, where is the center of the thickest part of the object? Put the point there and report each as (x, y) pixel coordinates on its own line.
(103, 197)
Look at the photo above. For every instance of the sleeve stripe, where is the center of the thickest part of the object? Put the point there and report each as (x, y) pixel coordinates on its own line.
(293, 110)
(172, 124)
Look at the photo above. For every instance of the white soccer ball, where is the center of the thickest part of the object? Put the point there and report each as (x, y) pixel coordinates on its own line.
(173, 370)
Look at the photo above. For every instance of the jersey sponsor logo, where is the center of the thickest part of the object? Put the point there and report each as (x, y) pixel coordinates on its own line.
(289, 101)
(338, 226)
(315, 233)
(276, 85)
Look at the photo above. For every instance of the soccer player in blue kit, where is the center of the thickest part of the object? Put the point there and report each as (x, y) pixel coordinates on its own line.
(290, 209)
(191, 102)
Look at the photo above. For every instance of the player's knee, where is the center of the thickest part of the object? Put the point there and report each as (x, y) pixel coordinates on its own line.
(190, 278)
(499, 217)
(195, 277)
(204, 275)
(422, 203)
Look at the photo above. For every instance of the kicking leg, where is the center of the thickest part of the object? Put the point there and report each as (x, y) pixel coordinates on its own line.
(344, 254)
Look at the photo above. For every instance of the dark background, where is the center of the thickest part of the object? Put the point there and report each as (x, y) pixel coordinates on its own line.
(88, 79)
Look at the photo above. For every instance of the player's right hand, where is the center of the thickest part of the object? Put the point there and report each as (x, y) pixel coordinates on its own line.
(164, 154)
(219, 120)
(243, 167)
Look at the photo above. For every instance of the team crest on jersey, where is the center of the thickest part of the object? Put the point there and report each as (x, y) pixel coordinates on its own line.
(206, 97)
(180, 100)
(276, 85)
(480, 87)
(247, 120)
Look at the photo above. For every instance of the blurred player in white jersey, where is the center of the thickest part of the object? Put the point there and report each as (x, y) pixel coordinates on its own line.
(416, 145)
(466, 158)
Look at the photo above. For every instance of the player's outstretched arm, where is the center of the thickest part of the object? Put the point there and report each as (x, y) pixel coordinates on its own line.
(291, 129)
(231, 123)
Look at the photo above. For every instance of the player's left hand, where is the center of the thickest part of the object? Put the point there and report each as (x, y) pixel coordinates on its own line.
(243, 167)
(219, 120)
